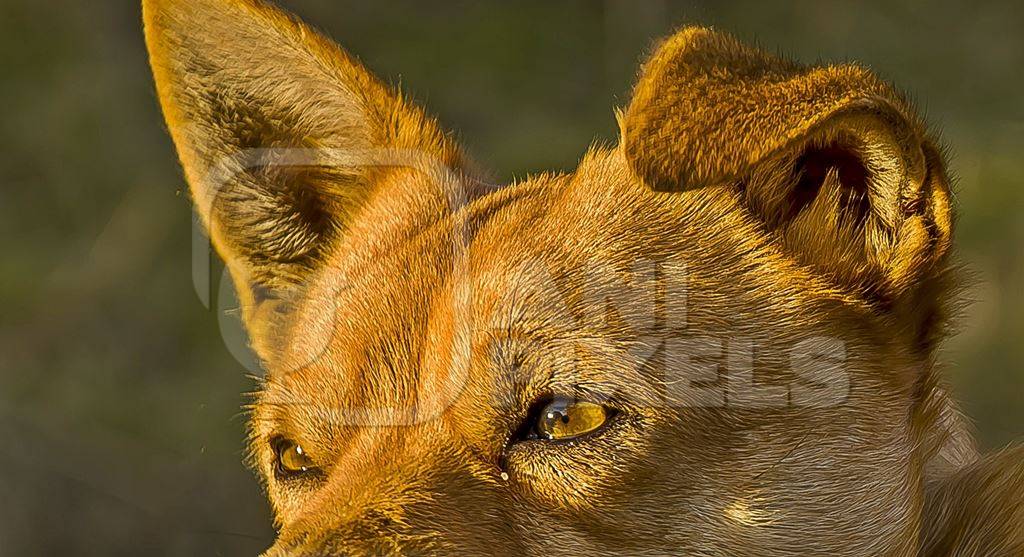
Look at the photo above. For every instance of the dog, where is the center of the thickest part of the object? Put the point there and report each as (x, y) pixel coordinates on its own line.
(715, 337)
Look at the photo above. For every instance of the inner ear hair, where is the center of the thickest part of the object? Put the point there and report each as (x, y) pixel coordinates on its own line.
(813, 166)
(280, 220)
(800, 184)
(854, 200)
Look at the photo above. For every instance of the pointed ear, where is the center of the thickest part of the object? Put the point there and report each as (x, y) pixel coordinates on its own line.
(831, 159)
(280, 133)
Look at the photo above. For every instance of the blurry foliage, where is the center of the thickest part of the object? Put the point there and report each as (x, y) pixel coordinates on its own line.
(119, 404)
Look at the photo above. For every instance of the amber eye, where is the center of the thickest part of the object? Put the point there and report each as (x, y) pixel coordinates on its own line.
(291, 459)
(563, 419)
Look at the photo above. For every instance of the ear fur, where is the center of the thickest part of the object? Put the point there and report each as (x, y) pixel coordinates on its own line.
(831, 159)
(280, 132)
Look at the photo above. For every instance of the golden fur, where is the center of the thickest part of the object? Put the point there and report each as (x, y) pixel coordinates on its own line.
(755, 278)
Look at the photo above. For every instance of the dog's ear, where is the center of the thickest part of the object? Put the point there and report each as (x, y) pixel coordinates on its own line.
(830, 159)
(283, 136)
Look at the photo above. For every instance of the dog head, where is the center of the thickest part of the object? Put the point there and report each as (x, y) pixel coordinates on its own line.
(714, 337)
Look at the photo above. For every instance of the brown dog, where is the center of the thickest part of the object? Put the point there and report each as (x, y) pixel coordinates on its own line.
(714, 338)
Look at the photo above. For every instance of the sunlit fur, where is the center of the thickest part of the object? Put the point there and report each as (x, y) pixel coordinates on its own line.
(408, 315)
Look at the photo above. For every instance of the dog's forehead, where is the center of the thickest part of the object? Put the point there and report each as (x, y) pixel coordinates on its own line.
(392, 309)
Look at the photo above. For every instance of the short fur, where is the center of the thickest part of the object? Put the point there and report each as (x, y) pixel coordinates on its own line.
(755, 213)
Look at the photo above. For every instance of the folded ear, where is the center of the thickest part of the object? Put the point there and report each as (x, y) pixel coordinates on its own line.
(282, 134)
(831, 159)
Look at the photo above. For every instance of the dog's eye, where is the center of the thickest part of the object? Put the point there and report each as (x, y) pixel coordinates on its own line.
(563, 419)
(291, 459)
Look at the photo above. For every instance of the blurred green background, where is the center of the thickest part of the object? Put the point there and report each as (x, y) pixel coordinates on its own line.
(119, 403)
